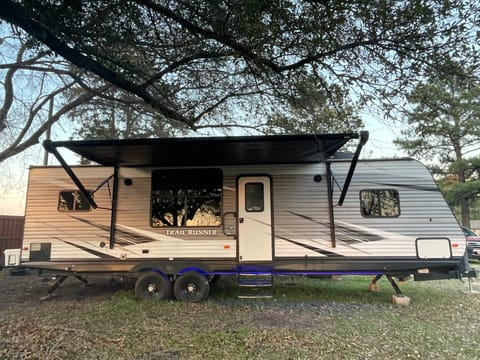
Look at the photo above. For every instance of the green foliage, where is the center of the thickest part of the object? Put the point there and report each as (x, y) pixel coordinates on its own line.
(444, 125)
(445, 118)
(453, 189)
(312, 110)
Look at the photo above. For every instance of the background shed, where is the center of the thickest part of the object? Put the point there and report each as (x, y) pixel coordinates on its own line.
(11, 233)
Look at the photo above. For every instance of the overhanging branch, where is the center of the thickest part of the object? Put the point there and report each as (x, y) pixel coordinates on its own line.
(15, 14)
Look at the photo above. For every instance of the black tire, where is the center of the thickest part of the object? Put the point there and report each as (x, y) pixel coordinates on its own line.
(152, 286)
(213, 279)
(191, 287)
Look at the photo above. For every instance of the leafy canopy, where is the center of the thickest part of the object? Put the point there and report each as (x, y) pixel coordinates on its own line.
(444, 119)
(444, 122)
(204, 61)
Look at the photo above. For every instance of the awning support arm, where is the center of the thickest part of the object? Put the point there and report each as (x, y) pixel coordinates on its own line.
(331, 215)
(113, 219)
(353, 165)
(103, 183)
(47, 144)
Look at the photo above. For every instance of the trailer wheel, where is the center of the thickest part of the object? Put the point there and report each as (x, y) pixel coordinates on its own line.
(213, 279)
(191, 287)
(152, 286)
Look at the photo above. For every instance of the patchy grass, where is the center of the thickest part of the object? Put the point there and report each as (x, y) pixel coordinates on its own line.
(306, 319)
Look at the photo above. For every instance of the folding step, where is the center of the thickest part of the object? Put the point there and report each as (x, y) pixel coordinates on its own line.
(255, 285)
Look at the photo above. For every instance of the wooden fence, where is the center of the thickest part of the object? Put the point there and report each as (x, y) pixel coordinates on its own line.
(11, 234)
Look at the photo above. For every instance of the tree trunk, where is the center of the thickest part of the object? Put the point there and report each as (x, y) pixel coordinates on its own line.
(465, 211)
(462, 178)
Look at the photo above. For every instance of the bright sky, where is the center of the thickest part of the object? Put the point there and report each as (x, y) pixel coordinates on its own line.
(13, 204)
(13, 182)
(14, 171)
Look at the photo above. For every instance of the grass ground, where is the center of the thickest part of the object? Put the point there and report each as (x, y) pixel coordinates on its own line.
(306, 319)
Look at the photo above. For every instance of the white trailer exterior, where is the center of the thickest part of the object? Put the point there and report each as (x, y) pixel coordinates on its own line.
(228, 206)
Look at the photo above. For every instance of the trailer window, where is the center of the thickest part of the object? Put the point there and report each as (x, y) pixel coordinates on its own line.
(72, 200)
(379, 203)
(186, 197)
(254, 197)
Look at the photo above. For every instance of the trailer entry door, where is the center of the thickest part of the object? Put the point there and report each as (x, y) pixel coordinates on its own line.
(254, 219)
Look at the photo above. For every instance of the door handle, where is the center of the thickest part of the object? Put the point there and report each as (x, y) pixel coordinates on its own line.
(241, 220)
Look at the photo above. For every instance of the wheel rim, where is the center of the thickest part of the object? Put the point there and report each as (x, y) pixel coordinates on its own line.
(191, 286)
(152, 286)
(191, 289)
(152, 289)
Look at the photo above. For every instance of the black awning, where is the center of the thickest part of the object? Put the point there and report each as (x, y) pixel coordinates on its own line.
(209, 151)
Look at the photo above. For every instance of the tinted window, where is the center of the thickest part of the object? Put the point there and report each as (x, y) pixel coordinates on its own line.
(379, 203)
(186, 197)
(254, 197)
(72, 200)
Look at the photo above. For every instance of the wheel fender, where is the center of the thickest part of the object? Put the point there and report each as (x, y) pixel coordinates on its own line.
(192, 268)
(147, 266)
(170, 268)
(148, 269)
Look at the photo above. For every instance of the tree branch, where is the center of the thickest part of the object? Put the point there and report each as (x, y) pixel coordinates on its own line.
(15, 14)
(8, 86)
(34, 138)
(244, 50)
(208, 34)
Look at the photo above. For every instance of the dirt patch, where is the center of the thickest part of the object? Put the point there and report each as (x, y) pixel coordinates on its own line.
(35, 329)
(30, 288)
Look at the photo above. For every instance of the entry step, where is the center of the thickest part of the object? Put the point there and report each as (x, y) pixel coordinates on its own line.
(255, 285)
(255, 296)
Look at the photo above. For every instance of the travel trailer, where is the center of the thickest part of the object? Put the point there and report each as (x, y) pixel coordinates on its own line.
(176, 213)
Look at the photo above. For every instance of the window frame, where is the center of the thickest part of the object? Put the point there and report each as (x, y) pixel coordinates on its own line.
(380, 201)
